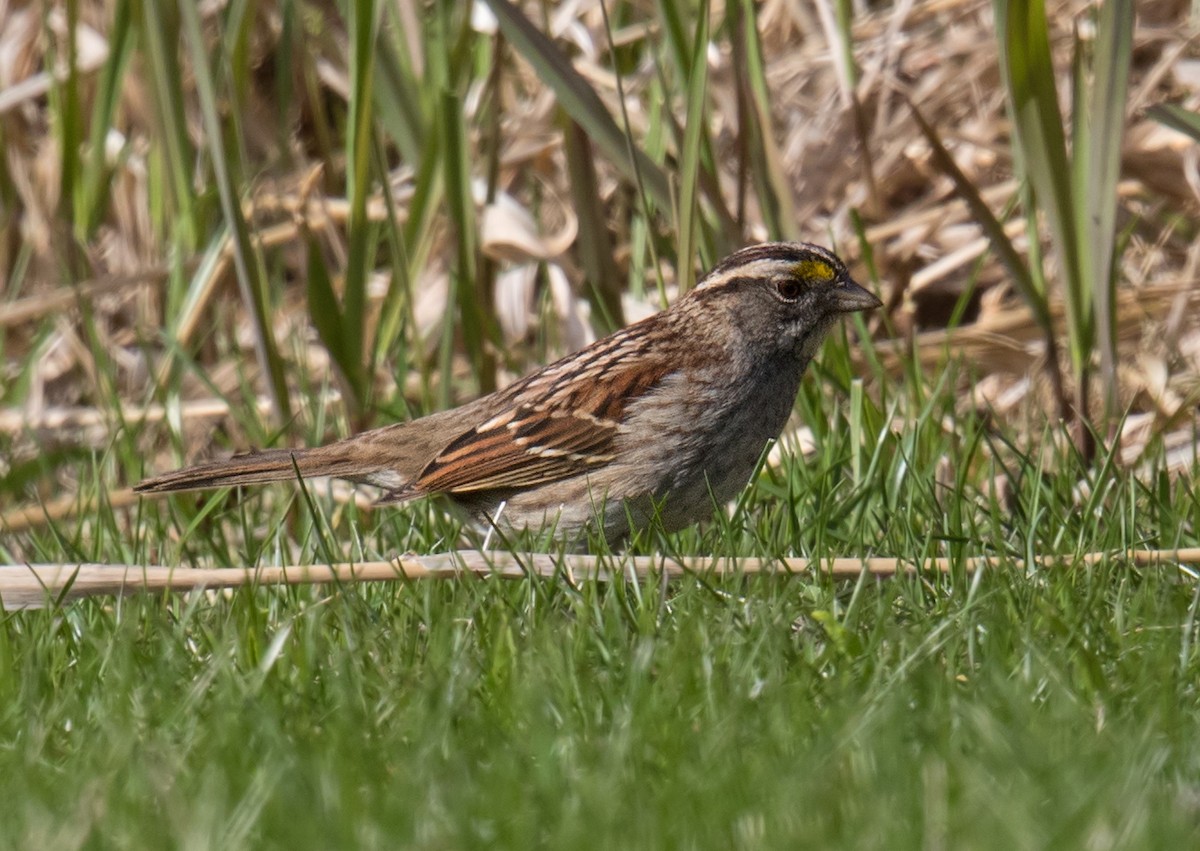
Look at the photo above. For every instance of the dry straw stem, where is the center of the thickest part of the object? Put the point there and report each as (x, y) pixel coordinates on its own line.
(75, 419)
(61, 508)
(33, 586)
(1008, 338)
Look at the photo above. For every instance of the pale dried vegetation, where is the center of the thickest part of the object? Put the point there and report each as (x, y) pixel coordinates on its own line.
(64, 300)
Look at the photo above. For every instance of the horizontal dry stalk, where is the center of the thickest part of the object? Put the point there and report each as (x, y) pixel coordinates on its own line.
(39, 585)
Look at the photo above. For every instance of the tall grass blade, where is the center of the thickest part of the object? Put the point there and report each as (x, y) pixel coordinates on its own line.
(364, 26)
(1038, 128)
(472, 305)
(68, 113)
(1096, 193)
(763, 157)
(580, 101)
(719, 233)
(250, 275)
(96, 174)
(982, 213)
(1033, 294)
(594, 243)
(398, 88)
(323, 309)
(398, 296)
(693, 135)
(1177, 118)
(160, 34)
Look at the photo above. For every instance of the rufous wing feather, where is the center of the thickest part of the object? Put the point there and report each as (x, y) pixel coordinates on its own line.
(523, 451)
(572, 429)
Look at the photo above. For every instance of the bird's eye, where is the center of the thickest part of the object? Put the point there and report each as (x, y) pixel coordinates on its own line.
(789, 289)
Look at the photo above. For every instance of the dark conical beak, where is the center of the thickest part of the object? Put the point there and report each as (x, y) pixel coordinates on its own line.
(849, 297)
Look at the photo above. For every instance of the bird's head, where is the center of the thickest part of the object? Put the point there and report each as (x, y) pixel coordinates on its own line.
(783, 295)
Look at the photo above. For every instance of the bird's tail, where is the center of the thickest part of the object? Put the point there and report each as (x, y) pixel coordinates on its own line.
(343, 460)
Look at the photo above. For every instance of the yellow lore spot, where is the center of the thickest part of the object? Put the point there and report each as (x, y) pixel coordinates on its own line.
(814, 270)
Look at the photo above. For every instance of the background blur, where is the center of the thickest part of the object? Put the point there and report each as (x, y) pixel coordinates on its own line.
(269, 222)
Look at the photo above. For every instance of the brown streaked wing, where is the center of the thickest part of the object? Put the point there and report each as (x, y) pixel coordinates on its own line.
(565, 432)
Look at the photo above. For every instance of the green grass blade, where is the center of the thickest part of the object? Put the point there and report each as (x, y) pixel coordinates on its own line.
(121, 39)
(1028, 285)
(594, 243)
(398, 297)
(982, 213)
(1096, 193)
(398, 88)
(445, 63)
(580, 101)
(689, 167)
(1177, 118)
(160, 35)
(1038, 127)
(360, 234)
(763, 157)
(250, 276)
(68, 115)
(717, 231)
(324, 311)
(844, 23)
(472, 308)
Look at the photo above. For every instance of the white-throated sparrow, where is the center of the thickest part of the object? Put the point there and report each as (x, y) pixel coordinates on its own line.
(662, 417)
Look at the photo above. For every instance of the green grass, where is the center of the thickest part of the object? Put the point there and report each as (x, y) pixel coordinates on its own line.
(1012, 709)
(1028, 712)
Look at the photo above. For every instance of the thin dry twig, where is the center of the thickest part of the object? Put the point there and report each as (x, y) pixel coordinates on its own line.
(62, 508)
(40, 585)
